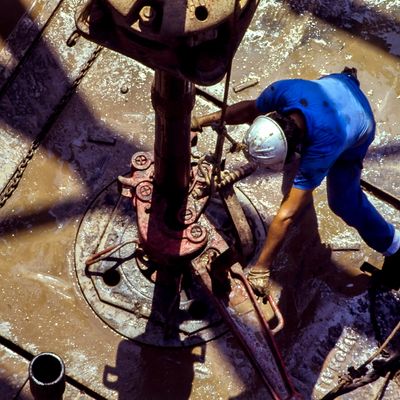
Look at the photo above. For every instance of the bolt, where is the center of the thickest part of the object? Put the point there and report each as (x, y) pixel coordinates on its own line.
(196, 231)
(140, 160)
(145, 190)
(186, 215)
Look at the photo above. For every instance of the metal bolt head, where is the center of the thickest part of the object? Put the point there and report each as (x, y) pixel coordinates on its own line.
(196, 233)
(141, 160)
(144, 191)
(186, 215)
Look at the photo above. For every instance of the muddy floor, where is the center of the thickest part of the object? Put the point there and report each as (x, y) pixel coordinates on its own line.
(332, 320)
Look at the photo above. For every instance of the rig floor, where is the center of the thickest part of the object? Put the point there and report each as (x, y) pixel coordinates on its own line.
(332, 320)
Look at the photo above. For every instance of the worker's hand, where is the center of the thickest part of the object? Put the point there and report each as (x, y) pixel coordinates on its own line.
(195, 125)
(258, 278)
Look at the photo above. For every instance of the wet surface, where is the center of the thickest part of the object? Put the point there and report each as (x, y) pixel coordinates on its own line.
(317, 282)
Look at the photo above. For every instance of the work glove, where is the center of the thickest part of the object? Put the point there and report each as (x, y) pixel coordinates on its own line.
(195, 125)
(258, 279)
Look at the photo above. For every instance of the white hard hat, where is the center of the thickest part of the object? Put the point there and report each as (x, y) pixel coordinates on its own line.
(266, 143)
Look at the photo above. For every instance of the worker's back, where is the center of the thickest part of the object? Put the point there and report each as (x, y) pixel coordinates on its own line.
(338, 119)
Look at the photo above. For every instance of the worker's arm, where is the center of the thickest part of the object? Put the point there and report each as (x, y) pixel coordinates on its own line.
(238, 113)
(292, 206)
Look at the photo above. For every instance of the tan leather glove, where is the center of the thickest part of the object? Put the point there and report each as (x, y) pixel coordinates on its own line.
(259, 281)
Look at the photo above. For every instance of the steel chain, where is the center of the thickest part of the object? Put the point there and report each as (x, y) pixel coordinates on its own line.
(14, 181)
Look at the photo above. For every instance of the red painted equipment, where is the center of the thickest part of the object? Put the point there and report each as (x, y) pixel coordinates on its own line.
(188, 42)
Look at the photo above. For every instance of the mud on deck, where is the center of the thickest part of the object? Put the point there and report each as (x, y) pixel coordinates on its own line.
(317, 281)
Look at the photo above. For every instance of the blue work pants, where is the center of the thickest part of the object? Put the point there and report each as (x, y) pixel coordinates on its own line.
(347, 200)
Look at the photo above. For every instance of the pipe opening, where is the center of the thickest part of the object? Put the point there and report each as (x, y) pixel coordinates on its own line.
(201, 13)
(111, 277)
(47, 368)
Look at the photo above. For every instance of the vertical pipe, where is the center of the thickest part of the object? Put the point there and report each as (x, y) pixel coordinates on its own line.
(47, 377)
(173, 100)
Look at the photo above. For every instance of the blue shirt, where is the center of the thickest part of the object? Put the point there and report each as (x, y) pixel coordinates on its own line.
(338, 118)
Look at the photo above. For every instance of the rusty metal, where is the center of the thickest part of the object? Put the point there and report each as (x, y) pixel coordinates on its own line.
(243, 230)
(228, 178)
(228, 289)
(132, 293)
(155, 211)
(123, 285)
(384, 368)
(192, 40)
(237, 272)
(173, 100)
(221, 130)
(13, 183)
(103, 254)
(245, 85)
(220, 126)
(105, 354)
(185, 44)
(236, 146)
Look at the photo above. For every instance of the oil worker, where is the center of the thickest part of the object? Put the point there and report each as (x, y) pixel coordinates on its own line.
(329, 122)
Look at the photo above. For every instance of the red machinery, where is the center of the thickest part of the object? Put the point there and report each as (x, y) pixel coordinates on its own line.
(186, 42)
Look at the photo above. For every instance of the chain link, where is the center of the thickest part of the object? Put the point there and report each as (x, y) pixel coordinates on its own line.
(13, 183)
